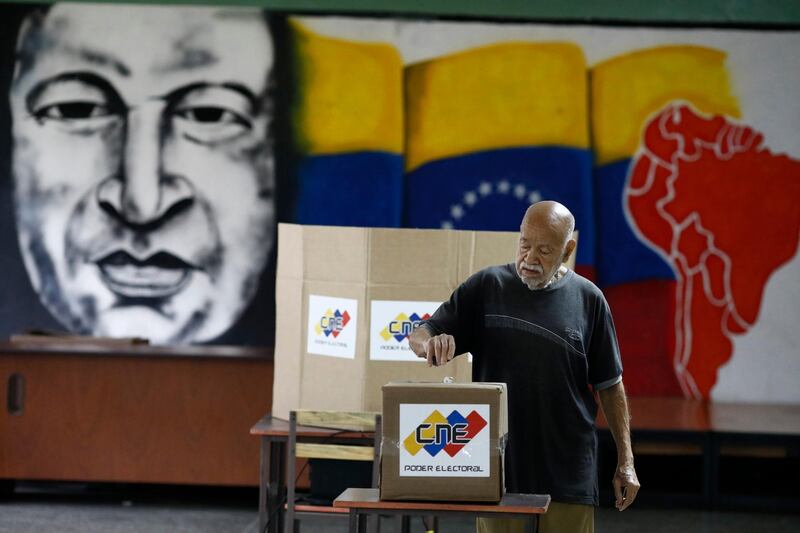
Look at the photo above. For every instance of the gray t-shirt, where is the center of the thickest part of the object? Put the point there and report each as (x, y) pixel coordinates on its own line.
(552, 347)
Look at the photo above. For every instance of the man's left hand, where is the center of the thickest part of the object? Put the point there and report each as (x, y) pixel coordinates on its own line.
(626, 486)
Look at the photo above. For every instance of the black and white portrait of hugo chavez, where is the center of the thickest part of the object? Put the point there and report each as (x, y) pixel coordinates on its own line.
(141, 167)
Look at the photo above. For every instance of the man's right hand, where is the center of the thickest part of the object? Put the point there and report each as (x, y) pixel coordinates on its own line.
(436, 349)
(439, 349)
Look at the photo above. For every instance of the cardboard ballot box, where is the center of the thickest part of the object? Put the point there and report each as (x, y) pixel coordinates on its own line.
(347, 298)
(443, 441)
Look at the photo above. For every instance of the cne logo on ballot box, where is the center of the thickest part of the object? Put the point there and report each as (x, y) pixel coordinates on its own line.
(444, 440)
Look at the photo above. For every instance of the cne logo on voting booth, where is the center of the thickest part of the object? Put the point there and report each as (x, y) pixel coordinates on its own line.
(332, 323)
(332, 326)
(402, 326)
(437, 445)
(391, 323)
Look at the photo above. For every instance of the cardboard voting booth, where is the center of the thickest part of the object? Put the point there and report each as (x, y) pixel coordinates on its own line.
(347, 298)
(443, 441)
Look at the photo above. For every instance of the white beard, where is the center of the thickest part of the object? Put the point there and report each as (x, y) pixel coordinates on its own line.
(532, 285)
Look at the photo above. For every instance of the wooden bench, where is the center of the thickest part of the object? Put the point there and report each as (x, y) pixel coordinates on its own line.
(712, 432)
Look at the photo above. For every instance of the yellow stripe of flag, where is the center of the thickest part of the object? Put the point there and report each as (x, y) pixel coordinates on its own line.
(498, 96)
(628, 89)
(348, 95)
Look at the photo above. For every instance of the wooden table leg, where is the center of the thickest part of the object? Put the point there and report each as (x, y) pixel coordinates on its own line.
(353, 521)
(271, 486)
(263, 485)
(273, 474)
(405, 522)
(711, 452)
(532, 524)
(358, 521)
(374, 523)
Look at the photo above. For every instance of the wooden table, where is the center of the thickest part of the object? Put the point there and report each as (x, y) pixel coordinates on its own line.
(364, 502)
(711, 431)
(274, 433)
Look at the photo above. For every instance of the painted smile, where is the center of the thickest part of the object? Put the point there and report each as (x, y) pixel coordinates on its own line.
(159, 276)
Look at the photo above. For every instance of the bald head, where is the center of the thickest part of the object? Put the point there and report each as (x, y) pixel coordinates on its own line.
(551, 215)
(545, 242)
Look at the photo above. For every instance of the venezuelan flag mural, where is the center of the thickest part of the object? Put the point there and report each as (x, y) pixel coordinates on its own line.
(492, 130)
(347, 112)
(686, 214)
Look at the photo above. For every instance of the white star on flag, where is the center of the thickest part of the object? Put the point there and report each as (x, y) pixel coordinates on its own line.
(503, 187)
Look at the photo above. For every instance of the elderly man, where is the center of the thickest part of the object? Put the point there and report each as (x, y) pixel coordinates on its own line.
(143, 167)
(546, 332)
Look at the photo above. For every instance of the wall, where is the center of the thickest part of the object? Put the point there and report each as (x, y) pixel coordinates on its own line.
(707, 12)
(666, 143)
(666, 347)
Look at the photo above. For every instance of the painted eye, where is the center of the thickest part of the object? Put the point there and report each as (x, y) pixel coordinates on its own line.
(75, 102)
(207, 124)
(212, 115)
(75, 110)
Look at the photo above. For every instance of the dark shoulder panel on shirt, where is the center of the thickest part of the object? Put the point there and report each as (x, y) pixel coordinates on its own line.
(588, 286)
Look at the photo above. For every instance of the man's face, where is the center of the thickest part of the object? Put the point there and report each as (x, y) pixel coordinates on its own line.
(142, 167)
(541, 251)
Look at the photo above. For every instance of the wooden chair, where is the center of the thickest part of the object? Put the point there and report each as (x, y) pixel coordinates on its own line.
(358, 439)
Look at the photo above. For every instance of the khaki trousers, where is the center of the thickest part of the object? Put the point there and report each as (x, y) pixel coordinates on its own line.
(559, 518)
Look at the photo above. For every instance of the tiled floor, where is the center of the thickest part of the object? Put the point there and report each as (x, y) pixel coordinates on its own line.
(158, 511)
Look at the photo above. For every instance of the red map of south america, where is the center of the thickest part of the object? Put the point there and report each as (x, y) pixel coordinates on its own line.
(724, 212)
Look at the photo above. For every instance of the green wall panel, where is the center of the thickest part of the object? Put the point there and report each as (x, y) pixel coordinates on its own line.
(707, 12)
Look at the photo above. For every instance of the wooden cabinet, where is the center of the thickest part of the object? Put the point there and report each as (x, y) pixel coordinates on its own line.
(138, 414)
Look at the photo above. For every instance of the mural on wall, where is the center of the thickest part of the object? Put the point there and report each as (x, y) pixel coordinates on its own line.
(142, 167)
(146, 191)
(691, 196)
(700, 190)
(686, 213)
